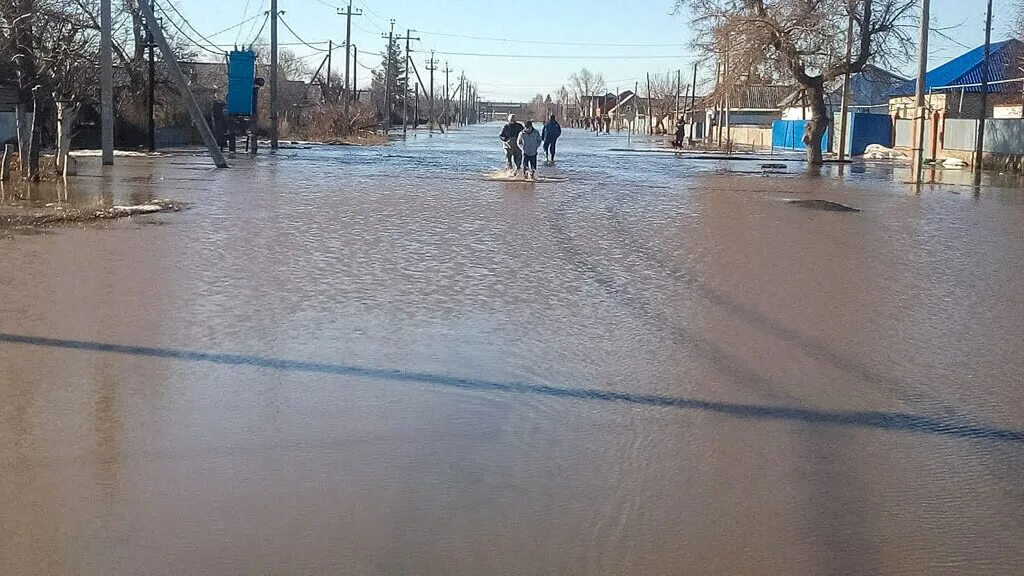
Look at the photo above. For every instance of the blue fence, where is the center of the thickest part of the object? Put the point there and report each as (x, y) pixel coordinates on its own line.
(864, 130)
(789, 135)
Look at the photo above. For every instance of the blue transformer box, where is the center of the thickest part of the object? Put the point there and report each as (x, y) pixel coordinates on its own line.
(241, 80)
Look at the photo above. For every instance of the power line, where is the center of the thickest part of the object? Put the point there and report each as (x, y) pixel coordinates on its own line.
(245, 12)
(192, 41)
(187, 23)
(297, 37)
(262, 28)
(547, 43)
(570, 56)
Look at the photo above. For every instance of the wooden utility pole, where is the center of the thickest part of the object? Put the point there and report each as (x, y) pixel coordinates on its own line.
(274, 72)
(447, 94)
(650, 107)
(462, 99)
(979, 146)
(387, 81)
(844, 108)
(922, 72)
(693, 102)
(432, 67)
(178, 77)
(355, 73)
(330, 55)
(679, 89)
(405, 97)
(347, 92)
(106, 83)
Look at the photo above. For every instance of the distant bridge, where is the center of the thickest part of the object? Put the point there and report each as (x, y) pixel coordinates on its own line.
(499, 110)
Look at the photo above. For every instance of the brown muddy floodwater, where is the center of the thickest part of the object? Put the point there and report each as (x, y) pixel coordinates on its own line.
(375, 361)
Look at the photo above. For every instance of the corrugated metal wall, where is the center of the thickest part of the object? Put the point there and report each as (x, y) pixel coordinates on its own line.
(1002, 136)
(959, 134)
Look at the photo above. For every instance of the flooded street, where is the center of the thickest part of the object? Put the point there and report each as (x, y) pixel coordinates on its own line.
(376, 361)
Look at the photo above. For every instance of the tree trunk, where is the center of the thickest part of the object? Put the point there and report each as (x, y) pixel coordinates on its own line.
(818, 124)
(24, 119)
(66, 114)
(35, 135)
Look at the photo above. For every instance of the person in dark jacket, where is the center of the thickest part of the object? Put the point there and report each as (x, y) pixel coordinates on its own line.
(510, 140)
(550, 134)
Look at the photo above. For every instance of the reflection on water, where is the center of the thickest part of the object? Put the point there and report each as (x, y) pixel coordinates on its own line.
(374, 360)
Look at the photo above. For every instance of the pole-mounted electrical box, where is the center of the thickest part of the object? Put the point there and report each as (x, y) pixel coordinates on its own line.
(241, 80)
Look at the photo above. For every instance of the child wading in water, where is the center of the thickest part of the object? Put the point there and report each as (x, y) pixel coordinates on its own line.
(529, 143)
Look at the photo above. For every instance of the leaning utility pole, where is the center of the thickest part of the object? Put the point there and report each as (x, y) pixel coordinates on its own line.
(178, 77)
(431, 66)
(355, 73)
(922, 72)
(106, 83)
(348, 13)
(650, 107)
(844, 108)
(274, 119)
(979, 147)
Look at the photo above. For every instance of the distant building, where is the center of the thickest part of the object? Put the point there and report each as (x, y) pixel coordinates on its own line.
(869, 92)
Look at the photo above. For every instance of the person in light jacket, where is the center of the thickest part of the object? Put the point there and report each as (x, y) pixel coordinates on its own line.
(529, 143)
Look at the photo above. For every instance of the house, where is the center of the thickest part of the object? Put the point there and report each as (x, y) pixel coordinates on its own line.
(953, 90)
(953, 98)
(869, 92)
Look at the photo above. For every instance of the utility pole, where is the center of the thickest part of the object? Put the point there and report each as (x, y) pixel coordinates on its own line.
(405, 97)
(462, 99)
(416, 108)
(274, 118)
(650, 107)
(679, 89)
(106, 83)
(844, 108)
(431, 66)
(330, 54)
(922, 72)
(447, 95)
(355, 72)
(979, 148)
(151, 101)
(693, 102)
(346, 93)
(183, 88)
(387, 81)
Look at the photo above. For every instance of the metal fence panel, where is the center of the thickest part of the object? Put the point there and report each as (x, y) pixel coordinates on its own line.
(1004, 136)
(959, 134)
(904, 133)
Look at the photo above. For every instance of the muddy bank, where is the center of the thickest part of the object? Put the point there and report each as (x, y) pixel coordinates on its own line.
(57, 215)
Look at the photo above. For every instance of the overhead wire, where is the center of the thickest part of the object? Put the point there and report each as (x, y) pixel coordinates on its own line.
(297, 37)
(245, 12)
(192, 41)
(569, 56)
(550, 43)
(187, 23)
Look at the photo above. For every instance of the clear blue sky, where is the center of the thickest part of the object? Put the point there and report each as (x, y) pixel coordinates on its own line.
(647, 37)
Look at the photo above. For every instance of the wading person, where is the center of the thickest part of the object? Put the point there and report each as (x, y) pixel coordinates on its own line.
(552, 131)
(510, 140)
(529, 143)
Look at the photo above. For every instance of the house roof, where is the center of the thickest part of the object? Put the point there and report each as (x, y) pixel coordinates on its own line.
(759, 97)
(1004, 60)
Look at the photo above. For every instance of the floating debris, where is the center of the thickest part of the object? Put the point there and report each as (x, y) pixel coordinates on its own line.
(57, 215)
(826, 205)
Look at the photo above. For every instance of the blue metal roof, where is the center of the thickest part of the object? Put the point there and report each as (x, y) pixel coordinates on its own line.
(1004, 61)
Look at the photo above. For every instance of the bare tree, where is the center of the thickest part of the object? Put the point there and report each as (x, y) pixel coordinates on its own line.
(804, 40)
(662, 99)
(585, 83)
